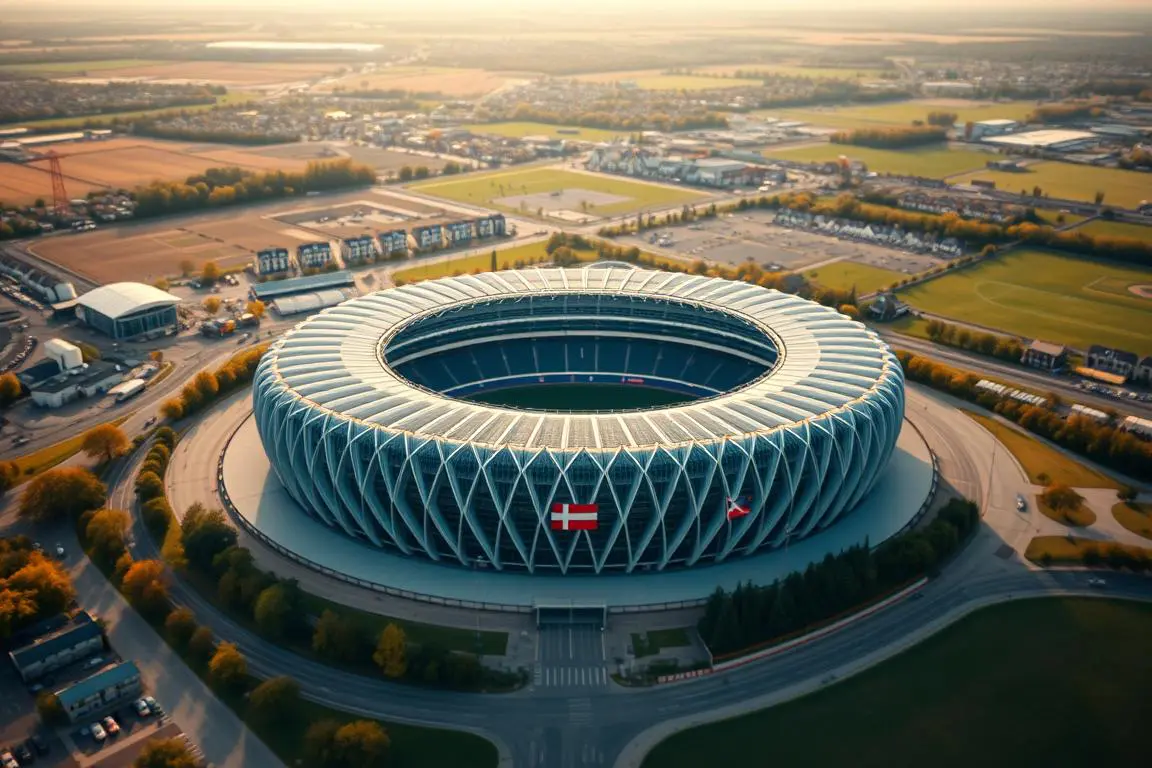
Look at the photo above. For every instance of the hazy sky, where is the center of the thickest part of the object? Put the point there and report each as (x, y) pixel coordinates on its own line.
(496, 6)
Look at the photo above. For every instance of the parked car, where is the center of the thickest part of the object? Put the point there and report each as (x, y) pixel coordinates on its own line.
(59, 550)
(1096, 581)
(8, 761)
(39, 744)
(153, 705)
(95, 661)
(24, 755)
(111, 726)
(97, 732)
(141, 708)
(1021, 503)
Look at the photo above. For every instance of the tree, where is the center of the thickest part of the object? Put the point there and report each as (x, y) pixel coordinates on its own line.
(146, 586)
(228, 668)
(336, 637)
(1061, 498)
(405, 173)
(186, 267)
(9, 473)
(149, 486)
(275, 699)
(60, 493)
(205, 533)
(850, 311)
(107, 533)
(166, 753)
(180, 625)
(256, 307)
(50, 710)
(162, 284)
(9, 389)
(210, 273)
(201, 644)
(361, 744)
(1127, 493)
(275, 609)
(43, 582)
(320, 742)
(392, 652)
(212, 305)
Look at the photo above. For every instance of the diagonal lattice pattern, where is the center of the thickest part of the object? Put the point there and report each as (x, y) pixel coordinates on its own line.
(368, 452)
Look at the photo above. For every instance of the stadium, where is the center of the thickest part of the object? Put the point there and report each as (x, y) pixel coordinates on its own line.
(578, 421)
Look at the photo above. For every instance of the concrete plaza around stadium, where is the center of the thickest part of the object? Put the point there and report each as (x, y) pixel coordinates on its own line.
(261, 504)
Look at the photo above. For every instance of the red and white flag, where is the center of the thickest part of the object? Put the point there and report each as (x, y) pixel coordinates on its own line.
(574, 517)
(739, 507)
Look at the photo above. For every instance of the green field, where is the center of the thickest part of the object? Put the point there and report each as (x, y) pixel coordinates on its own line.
(59, 68)
(1054, 682)
(581, 397)
(520, 130)
(796, 70)
(232, 97)
(653, 81)
(902, 113)
(1117, 228)
(1038, 459)
(1045, 295)
(934, 162)
(1073, 182)
(843, 275)
(483, 188)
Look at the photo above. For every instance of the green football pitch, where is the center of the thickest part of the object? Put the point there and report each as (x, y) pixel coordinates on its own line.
(581, 397)
(1046, 295)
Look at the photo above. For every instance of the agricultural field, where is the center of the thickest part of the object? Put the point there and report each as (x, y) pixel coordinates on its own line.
(797, 70)
(903, 112)
(126, 163)
(843, 275)
(229, 73)
(520, 130)
(934, 162)
(95, 121)
(381, 159)
(653, 80)
(1117, 229)
(75, 68)
(1073, 182)
(1046, 295)
(567, 195)
(444, 80)
(1068, 682)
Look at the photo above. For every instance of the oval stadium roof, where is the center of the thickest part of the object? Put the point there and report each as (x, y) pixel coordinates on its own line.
(827, 363)
(119, 299)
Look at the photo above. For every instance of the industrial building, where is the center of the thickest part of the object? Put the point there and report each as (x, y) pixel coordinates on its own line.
(45, 287)
(78, 639)
(1051, 139)
(272, 261)
(109, 688)
(65, 377)
(128, 310)
(275, 289)
(982, 129)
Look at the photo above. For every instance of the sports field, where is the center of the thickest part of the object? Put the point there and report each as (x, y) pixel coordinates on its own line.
(903, 112)
(580, 397)
(1046, 295)
(1073, 182)
(933, 162)
(1118, 228)
(843, 275)
(530, 191)
(520, 130)
(1054, 682)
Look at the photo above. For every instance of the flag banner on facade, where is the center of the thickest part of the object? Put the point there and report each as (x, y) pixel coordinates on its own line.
(574, 517)
(739, 507)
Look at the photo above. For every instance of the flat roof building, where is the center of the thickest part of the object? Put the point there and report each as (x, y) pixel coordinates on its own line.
(1055, 139)
(103, 691)
(76, 640)
(126, 310)
(274, 289)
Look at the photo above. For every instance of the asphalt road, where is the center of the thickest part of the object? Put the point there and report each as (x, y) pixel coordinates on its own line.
(577, 725)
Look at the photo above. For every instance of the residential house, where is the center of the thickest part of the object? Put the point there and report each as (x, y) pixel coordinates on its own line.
(1143, 372)
(1046, 356)
(109, 688)
(1115, 361)
(272, 261)
(78, 639)
(314, 255)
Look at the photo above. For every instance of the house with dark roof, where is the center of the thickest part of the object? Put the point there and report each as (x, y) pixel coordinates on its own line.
(78, 639)
(1143, 372)
(107, 689)
(1115, 361)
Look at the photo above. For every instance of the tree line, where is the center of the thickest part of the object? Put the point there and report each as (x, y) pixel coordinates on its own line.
(752, 616)
(891, 138)
(209, 386)
(32, 586)
(1002, 347)
(1102, 443)
(219, 187)
(608, 120)
(1062, 113)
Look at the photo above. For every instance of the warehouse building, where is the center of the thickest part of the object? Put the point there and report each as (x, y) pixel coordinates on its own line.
(109, 688)
(128, 310)
(275, 289)
(78, 639)
(1053, 140)
(982, 129)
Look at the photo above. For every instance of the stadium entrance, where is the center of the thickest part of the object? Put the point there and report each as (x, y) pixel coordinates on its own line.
(569, 615)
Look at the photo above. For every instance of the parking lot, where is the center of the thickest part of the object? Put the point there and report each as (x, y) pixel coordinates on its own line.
(750, 235)
(131, 729)
(19, 723)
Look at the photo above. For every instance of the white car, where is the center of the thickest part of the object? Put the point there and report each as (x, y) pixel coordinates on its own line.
(97, 732)
(1096, 581)
(1021, 504)
(141, 708)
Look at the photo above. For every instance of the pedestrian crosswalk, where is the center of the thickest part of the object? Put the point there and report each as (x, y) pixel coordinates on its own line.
(571, 677)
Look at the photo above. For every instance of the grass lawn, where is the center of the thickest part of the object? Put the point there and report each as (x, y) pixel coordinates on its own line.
(1070, 549)
(531, 253)
(44, 459)
(483, 188)
(652, 642)
(1135, 516)
(1076, 518)
(520, 130)
(847, 274)
(232, 97)
(934, 162)
(1046, 295)
(59, 68)
(1058, 219)
(1118, 228)
(1054, 682)
(1037, 458)
(1073, 182)
(902, 113)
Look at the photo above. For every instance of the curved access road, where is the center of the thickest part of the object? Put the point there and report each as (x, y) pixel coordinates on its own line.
(554, 728)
